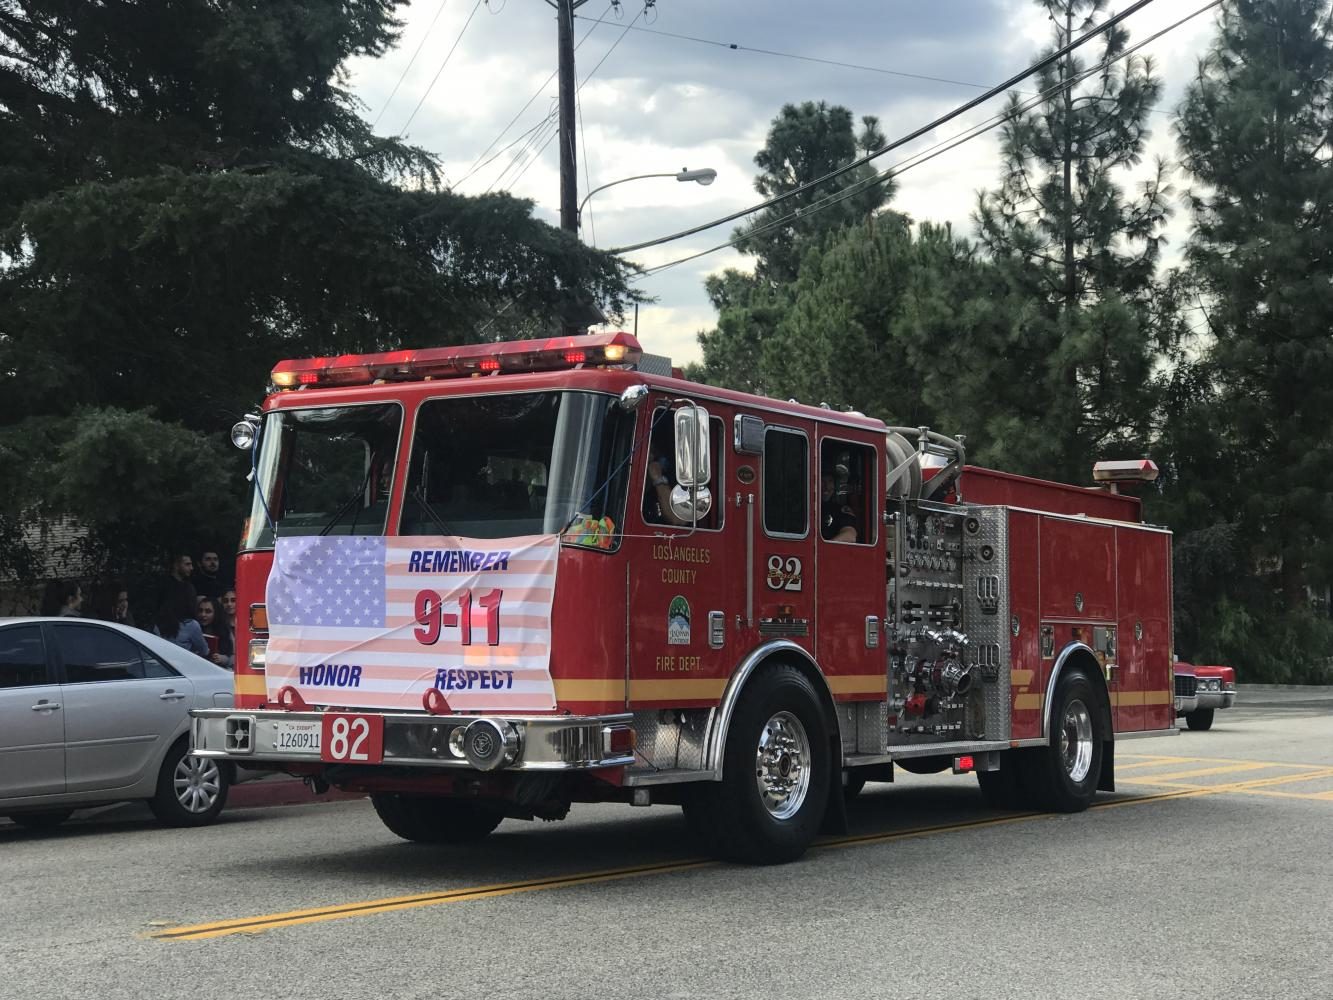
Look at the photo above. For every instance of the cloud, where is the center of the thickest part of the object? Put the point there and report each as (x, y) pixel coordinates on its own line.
(658, 103)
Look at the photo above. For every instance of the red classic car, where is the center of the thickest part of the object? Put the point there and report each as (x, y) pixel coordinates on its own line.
(1201, 690)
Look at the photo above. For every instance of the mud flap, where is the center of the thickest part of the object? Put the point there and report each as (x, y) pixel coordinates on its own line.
(1106, 780)
(835, 811)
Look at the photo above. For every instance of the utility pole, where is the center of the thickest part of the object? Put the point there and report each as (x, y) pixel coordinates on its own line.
(569, 178)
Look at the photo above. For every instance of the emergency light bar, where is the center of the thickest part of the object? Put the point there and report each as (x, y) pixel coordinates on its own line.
(620, 349)
(1137, 470)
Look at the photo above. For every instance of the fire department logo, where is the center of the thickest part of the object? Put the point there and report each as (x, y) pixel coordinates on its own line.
(678, 622)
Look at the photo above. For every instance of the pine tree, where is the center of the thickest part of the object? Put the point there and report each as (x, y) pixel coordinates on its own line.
(805, 142)
(1255, 130)
(1081, 250)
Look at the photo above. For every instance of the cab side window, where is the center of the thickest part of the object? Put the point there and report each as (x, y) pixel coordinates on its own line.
(22, 657)
(786, 482)
(846, 479)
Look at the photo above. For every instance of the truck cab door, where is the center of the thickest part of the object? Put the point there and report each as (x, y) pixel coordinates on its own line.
(849, 570)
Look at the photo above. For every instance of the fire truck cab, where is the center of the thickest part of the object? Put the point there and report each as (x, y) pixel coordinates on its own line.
(757, 605)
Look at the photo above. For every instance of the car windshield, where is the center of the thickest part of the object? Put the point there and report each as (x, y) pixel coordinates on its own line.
(516, 464)
(325, 470)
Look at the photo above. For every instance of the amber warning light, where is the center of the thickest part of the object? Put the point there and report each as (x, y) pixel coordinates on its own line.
(618, 349)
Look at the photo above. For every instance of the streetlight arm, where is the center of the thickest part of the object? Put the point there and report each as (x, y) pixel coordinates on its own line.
(623, 180)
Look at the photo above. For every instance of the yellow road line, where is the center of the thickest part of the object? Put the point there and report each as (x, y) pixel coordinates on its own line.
(250, 925)
(1155, 762)
(559, 882)
(1247, 787)
(1202, 772)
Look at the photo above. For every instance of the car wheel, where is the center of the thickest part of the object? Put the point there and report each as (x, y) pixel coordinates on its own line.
(775, 774)
(191, 791)
(426, 819)
(1062, 777)
(48, 819)
(1200, 719)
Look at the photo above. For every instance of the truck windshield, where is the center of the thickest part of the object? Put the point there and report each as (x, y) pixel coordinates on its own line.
(325, 470)
(516, 464)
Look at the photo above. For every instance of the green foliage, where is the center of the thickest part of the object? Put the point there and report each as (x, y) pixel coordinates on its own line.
(1250, 430)
(1079, 252)
(188, 194)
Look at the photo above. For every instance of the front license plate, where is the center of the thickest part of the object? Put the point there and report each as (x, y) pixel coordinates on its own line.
(296, 736)
(352, 739)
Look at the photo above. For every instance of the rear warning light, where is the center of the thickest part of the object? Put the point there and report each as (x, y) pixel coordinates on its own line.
(964, 764)
(576, 357)
(258, 618)
(489, 365)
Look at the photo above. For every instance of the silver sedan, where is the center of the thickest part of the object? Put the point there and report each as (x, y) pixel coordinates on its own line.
(93, 713)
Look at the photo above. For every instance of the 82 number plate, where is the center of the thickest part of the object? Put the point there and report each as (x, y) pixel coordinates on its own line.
(351, 739)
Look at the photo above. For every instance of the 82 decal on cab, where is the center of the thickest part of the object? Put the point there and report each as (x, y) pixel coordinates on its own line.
(784, 573)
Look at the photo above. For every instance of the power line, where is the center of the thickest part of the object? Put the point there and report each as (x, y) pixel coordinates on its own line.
(587, 174)
(931, 152)
(736, 47)
(1008, 84)
(436, 77)
(403, 75)
(477, 164)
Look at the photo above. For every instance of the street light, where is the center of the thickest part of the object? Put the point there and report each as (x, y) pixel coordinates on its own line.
(703, 176)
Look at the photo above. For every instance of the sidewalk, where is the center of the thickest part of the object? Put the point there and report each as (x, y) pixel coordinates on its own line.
(1284, 695)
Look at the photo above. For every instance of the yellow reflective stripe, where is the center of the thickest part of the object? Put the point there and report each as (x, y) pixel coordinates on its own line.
(249, 684)
(859, 684)
(591, 689)
(1028, 702)
(1021, 678)
(692, 689)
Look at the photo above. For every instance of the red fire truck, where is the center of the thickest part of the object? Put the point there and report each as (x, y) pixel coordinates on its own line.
(750, 607)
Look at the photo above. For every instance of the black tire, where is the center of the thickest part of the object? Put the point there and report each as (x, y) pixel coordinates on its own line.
(1006, 788)
(777, 735)
(1201, 719)
(48, 819)
(191, 791)
(425, 819)
(1063, 776)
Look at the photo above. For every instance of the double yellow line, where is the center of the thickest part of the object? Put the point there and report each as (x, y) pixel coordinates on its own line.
(292, 918)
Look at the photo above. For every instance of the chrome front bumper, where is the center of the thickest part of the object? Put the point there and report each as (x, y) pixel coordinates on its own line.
(1216, 699)
(544, 742)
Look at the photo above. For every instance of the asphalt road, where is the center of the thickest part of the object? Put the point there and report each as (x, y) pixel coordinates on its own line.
(1207, 875)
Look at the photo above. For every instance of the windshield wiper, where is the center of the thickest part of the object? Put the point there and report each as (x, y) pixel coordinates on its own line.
(347, 505)
(419, 495)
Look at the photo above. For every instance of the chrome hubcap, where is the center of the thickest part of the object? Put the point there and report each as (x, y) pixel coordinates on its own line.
(782, 765)
(197, 782)
(1076, 740)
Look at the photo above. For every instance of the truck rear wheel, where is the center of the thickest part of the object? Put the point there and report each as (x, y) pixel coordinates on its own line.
(426, 819)
(1200, 719)
(1063, 776)
(775, 774)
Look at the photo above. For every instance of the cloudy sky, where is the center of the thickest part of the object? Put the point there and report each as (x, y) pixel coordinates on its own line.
(653, 103)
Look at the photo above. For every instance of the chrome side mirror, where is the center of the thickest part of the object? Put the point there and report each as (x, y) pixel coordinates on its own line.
(691, 505)
(692, 459)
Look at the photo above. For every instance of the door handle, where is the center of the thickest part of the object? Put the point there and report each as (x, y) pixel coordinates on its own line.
(46, 706)
(170, 695)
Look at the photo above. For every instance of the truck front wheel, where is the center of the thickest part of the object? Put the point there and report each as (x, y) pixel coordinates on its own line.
(426, 819)
(775, 774)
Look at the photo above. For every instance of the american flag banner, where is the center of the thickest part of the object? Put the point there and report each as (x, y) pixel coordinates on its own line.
(374, 622)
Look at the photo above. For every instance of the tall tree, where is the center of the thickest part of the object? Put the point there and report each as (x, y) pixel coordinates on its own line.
(1079, 248)
(1256, 132)
(805, 142)
(188, 193)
